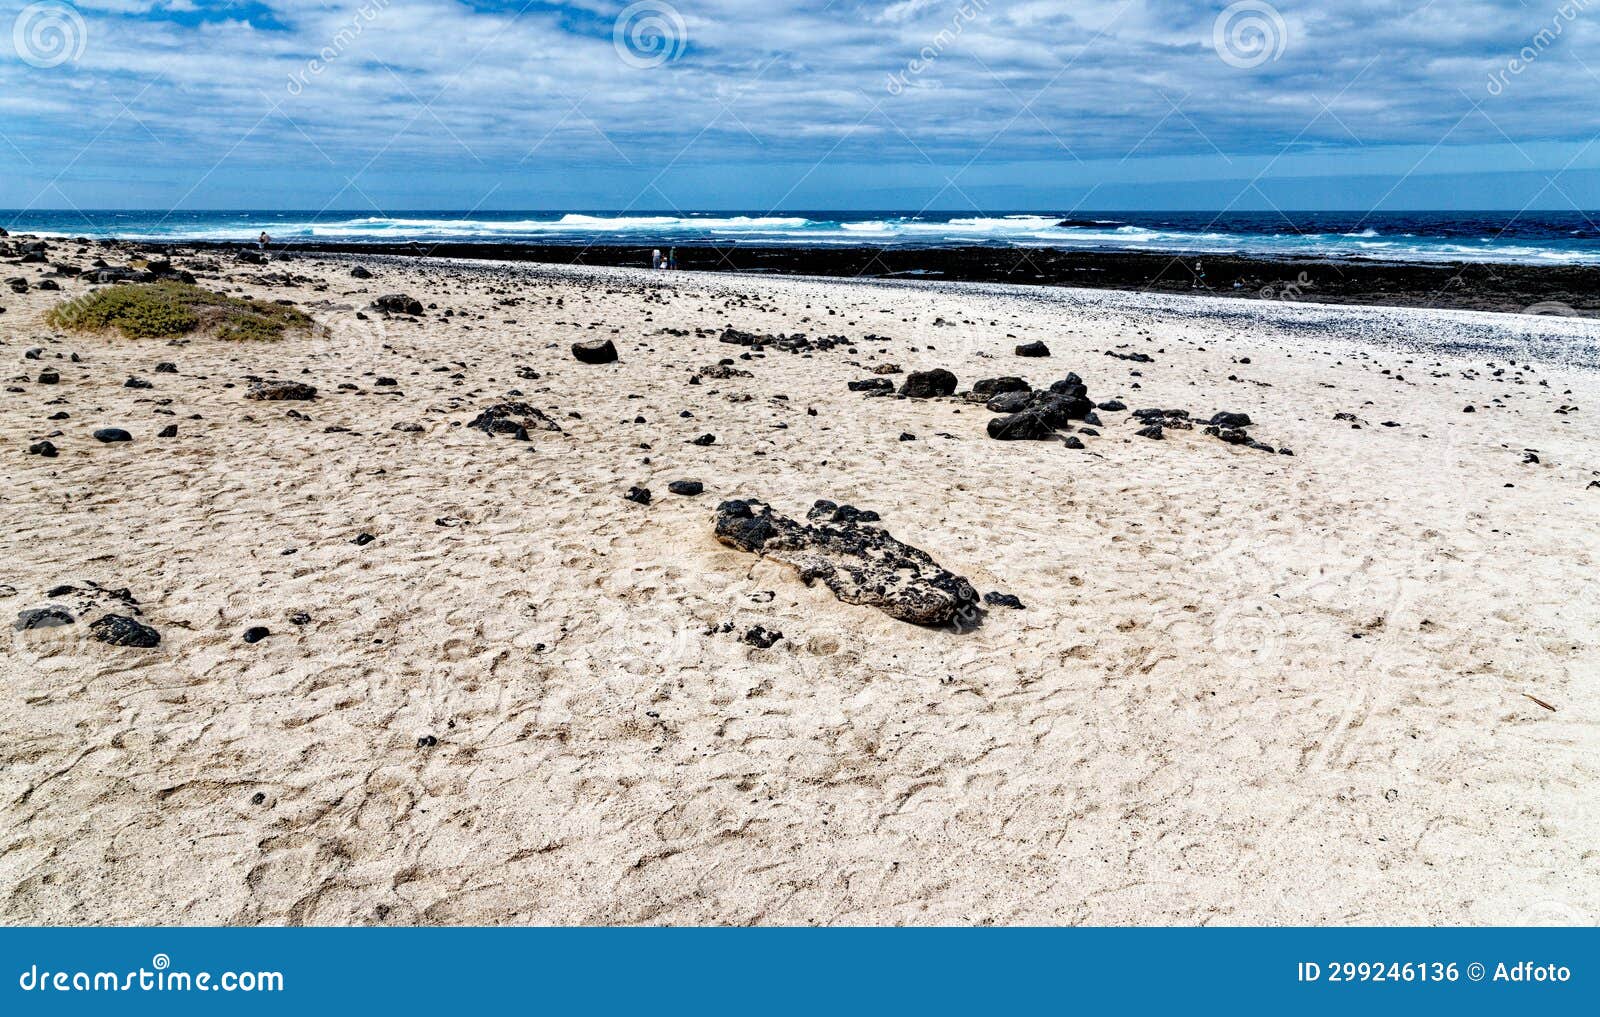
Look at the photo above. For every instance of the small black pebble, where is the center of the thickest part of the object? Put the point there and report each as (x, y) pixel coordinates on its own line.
(256, 633)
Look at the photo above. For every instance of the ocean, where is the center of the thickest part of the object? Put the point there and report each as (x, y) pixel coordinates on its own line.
(1523, 238)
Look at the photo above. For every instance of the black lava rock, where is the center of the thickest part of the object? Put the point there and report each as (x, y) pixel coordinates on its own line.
(1033, 350)
(398, 303)
(1224, 419)
(256, 633)
(687, 488)
(996, 599)
(1028, 426)
(995, 386)
(598, 351)
(877, 386)
(279, 391)
(43, 448)
(112, 434)
(47, 617)
(929, 384)
(170, 431)
(638, 494)
(761, 638)
(120, 630)
(1010, 402)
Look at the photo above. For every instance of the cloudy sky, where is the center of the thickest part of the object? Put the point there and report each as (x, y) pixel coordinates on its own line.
(983, 105)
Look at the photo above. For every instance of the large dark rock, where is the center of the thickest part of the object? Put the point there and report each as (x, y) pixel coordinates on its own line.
(48, 617)
(398, 303)
(108, 435)
(874, 386)
(515, 419)
(995, 386)
(1225, 419)
(929, 384)
(859, 563)
(597, 351)
(1035, 349)
(278, 391)
(1028, 426)
(1010, 402)
(120, 630)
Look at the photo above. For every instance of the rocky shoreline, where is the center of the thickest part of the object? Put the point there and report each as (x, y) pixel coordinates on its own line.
(1537, 289)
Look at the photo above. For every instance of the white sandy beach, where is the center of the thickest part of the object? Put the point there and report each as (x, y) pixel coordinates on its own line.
(1357, 685)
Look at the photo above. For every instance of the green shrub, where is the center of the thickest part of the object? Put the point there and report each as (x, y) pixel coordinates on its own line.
(165, 309)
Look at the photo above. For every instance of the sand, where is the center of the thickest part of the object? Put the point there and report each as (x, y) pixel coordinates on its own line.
(1356, 685)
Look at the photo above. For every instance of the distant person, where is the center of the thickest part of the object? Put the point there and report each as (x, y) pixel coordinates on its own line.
(1199, 277)
(655, 258)
(672, 258)
(263, 241)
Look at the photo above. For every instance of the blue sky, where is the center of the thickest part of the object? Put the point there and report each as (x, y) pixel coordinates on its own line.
(968, 105)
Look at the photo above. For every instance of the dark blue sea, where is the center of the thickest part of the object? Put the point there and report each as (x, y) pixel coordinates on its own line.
(1527, 237)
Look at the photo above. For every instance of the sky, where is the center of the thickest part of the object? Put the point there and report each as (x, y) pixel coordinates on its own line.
(942, 105)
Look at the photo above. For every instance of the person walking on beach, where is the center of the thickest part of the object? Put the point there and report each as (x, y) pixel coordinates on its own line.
(655, 258)
(672, 258)
(263, 241)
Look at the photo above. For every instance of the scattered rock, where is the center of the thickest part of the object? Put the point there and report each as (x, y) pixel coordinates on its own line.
(761, 638)
(279, 391)
(112, 434)
(860, 564)
(929, 384)
(597, 351)
(638, 494)
(1034, 349)
(514, 418)
(686, 488)
(995, 386)
(43, 448)
(120, 630)
(360, 273)
(256, 633)
(48, 617)
(1020, 427)
(398, 303)
(170, 431)
(996, 599)
(875, 386)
